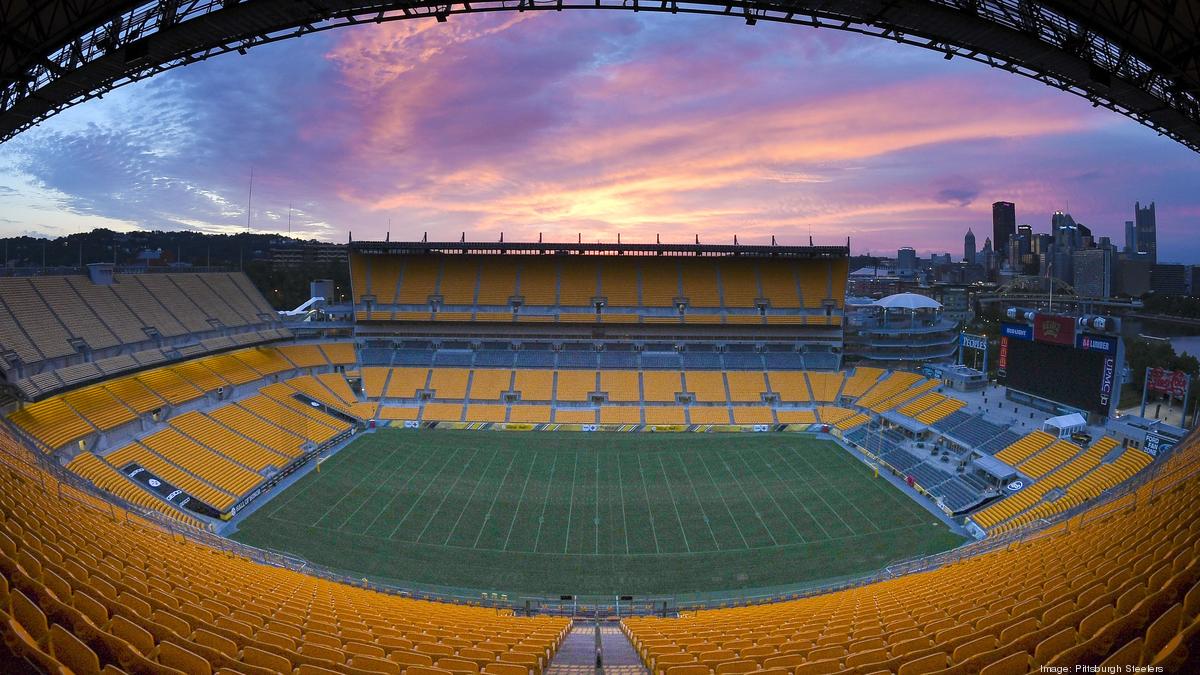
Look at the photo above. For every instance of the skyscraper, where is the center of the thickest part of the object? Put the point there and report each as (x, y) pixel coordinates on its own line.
(969, 247)
(1130, 237)
(987, 257)
(1004, 224)
(1093, 272)
(1026, 231)
(1146, 231)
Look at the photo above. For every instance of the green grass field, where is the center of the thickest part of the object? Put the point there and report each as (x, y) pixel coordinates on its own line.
(595, 513)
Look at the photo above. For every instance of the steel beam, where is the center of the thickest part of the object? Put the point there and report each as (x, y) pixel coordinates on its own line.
(1140, 58)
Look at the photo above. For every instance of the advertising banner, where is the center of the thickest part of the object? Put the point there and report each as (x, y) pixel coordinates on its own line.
(1106, 379)
(1053, 329)
(1097, 343)
(973, 341)
(1173, 382)
(1016, 330)
(168, 492)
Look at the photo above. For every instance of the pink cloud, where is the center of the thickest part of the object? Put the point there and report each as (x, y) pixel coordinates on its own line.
(648, 146)
(599, 123)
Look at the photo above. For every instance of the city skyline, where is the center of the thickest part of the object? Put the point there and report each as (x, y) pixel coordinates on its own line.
(630, 125)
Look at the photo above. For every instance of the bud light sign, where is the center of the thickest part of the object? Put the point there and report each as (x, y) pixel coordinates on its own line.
(1017, 331)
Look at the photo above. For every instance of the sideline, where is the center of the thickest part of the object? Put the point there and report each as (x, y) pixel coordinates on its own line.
(229, 527)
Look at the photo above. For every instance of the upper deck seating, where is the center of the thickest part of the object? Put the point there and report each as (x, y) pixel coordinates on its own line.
(508, 287)
(62, 331)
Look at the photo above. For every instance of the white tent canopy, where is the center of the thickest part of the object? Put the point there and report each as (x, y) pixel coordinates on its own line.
(1064, 425)
(909, 301)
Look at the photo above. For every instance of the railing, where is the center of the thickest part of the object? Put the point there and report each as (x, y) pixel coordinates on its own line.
(63, 270)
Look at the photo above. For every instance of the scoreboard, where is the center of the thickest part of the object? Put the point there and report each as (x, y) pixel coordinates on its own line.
(1053, 361)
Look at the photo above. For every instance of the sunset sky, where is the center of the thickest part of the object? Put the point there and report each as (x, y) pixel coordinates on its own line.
(596, 123)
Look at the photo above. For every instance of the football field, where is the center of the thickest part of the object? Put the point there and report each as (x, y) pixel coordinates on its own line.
(595, 513)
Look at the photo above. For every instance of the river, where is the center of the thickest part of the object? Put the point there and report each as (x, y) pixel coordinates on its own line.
(1183, 338)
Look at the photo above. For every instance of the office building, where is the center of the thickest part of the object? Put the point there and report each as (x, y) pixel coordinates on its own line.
(969, 247)
(1133, 274)
(1168, 279)
(1093, 272)
(1145, 229)
(1004, 224)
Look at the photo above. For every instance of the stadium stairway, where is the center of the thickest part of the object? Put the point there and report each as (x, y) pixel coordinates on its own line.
(620, 658)
(577, 654)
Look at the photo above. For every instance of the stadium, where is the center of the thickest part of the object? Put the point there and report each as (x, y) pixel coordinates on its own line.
(538, 458)
(518, 458)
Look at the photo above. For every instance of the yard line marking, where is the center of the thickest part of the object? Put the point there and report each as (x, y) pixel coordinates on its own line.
(621, 492)
(520, 501)
(820, 493)
(347, 492)
(475, 489)
(653, 530)
(728, 510)
(703, 513)
(807, 483)
(423, 491)
(397, 493)
(333, 466)
(378, 487)
(571, 503)
(742, 489)
(545, 501)
(596, 521)
(896, 495)
(499, 488)
(302, 489)
(837, 492)
(798, 499)
(771, 494)
(446, 496)
(671, 493)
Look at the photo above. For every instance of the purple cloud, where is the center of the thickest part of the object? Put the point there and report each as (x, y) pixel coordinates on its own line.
(605, 123)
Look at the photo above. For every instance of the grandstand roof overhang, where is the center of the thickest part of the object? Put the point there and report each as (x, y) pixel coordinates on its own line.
(545, 248)
(904, 422)
(1137, 57)
(994, 467)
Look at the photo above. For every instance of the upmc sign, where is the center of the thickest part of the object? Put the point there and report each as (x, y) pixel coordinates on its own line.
(1106, 379)
(1056, 330)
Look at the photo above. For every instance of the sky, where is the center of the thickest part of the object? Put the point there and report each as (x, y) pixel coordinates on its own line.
(595, 124)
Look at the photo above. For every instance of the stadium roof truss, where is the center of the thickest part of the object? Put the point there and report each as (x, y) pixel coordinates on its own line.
(1140, 58)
